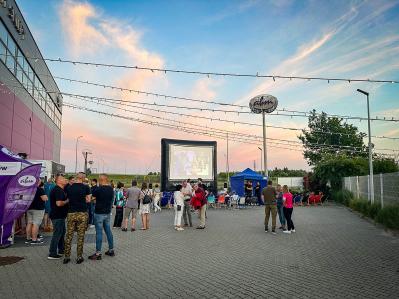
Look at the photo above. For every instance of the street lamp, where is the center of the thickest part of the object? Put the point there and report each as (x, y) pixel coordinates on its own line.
(371, 176)
(261, 160)
(76, 153)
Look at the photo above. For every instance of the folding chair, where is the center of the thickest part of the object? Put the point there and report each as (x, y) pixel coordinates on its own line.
(221, 201)
(211, 201)
(241, 202)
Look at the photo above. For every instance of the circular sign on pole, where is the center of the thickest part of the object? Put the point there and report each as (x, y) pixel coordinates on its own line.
(263, 103)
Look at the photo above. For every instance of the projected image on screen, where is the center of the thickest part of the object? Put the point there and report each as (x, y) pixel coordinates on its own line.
(190, 162)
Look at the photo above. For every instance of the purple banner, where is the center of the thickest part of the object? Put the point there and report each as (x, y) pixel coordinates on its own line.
(17, 189)
(20, 192)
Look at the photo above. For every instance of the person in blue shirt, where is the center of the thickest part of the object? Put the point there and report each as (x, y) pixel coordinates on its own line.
(48, 186)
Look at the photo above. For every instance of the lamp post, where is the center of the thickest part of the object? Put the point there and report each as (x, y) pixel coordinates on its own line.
(263, 103)
(371, 176)
(261, 157)
(76, 153)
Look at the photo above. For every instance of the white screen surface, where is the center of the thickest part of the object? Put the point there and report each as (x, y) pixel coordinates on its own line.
(190, 162)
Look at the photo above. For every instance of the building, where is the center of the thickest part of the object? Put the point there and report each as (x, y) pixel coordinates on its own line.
(30, 104)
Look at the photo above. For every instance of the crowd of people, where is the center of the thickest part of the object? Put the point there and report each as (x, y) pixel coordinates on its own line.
(71, 205)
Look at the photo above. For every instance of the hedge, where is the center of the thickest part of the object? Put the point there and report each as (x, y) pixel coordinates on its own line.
(388, 216)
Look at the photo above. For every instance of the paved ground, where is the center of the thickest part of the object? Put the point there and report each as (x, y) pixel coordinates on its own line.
(334, 254)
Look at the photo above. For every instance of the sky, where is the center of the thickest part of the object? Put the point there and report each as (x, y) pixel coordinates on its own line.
(349, 39)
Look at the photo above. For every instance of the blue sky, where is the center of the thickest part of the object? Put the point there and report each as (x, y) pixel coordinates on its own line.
(357, 39)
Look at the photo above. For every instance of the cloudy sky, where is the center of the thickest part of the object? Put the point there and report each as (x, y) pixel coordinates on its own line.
(349, 39)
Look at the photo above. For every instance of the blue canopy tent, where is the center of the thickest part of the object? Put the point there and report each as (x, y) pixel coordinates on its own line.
(237, 181)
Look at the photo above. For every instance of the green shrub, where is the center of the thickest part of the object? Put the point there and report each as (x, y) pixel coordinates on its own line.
(342, 196)
(389, 216)
(373, 210)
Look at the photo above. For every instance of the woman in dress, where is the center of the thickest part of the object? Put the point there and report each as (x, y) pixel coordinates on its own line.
(145, 206)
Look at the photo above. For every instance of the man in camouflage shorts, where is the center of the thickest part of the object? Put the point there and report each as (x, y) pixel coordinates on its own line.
(78, 195)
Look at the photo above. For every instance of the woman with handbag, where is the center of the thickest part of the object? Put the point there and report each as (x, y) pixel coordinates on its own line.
(145, 206)
(179, 204)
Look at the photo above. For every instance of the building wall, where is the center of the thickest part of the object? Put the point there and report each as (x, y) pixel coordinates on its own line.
(30, 116)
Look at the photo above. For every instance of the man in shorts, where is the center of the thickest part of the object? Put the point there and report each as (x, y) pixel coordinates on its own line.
(132, 205)
(35, 215)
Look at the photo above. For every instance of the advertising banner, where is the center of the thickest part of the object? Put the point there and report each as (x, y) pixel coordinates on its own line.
(17, 190)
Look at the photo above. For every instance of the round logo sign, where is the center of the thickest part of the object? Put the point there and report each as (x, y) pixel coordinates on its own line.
(263, 102)
(27, 180)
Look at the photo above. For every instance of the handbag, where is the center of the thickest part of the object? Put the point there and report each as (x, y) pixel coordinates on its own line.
(147, 199)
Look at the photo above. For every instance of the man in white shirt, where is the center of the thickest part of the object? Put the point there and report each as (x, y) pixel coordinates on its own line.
(187, 193)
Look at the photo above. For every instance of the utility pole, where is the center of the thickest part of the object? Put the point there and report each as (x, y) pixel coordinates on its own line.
(76, 153)
(264, 144)
(86, 153)
(227, 160)
(371, 175)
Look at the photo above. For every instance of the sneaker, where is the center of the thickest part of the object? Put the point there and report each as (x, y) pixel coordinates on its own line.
(28, 241)
(281, 227)
(94, 257)
(287, 231)
(66, 260)
(180, 229)
(54, 257)
(110, 253)
(266, 229)
(79, 260)
(200, 227)
(132, 229)
(37, 242)
(39, 236)
(92, 226)
(124, 229)
(273, 232)
(293, 230)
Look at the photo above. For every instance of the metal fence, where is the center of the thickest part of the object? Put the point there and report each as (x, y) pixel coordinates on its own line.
(386, 187)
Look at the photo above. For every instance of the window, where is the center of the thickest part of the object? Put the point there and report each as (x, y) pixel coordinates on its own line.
(3, 33)
(11, 46)
(20, 58)
(20, 74)
(10, 62)
(2, 52)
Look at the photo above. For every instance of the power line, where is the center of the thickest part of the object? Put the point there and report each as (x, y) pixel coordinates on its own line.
(247, 136)
(165, 96)
(210, 109)
(182, 71)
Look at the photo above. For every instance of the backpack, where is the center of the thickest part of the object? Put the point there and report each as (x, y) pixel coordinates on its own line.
(147, 199)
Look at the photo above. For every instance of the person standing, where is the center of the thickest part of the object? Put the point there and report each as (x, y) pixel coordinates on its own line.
(92, 205)
(157, 198)
(269, 196)
(48, 186)
(187, 193)
(288, 209)
(35, 215)
(131, 207)
(179, 204)
(199, 196)
(59, 211)
(104, 196)
(145, 206)
(79, 195)
(119, 204)
(258, 193)
(280, 206)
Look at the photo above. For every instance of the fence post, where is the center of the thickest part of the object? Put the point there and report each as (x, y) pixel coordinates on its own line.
(382, 189)
(368, 187)
(357, 187)
(350, 183)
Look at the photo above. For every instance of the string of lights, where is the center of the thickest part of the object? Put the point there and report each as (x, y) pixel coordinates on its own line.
(127, 104)
(193, 130)
(209, 109)
(208, 74)
(165, 96)
(247, 136)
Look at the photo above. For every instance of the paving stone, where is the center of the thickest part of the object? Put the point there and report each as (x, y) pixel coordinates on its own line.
(334, 254)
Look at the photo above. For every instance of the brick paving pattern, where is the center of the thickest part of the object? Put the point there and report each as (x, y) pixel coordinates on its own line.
(334, 254)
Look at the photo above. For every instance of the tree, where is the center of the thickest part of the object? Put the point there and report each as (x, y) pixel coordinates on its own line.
(384, 165)
(330, 135)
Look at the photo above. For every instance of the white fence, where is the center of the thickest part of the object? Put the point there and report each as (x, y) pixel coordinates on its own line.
(291, 181)
(386, 187)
